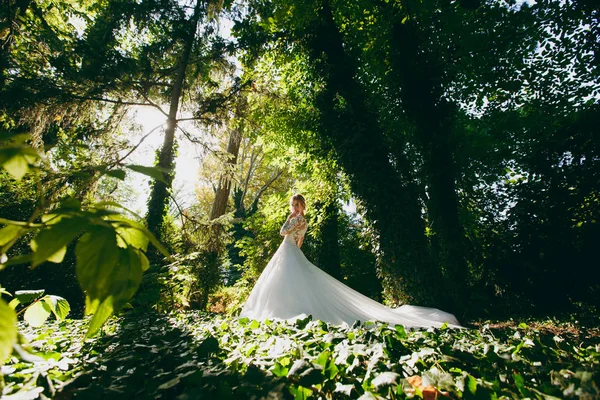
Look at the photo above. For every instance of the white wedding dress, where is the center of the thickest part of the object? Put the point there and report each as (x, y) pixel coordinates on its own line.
(292, 287)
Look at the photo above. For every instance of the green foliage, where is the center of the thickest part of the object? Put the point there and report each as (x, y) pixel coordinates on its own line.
(228, 300)
(264, 225)
(8, 330)
(199, 355)
(41, 307)
(110, 256)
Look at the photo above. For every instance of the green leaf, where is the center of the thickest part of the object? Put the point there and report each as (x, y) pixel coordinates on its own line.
(50, 243)
(96, 256)
(131, 234)
(471, 384)
(153, 240)
(101, 314)
(37, 313)
(109, 274)
(105, 204)
(16, 160)
(145, 264)
(279, 370)
(152, 172)
(8, 233)
(27, 296)
(70, 203)
(60, 307)
(127, 276)
(22, 259)
(400, 332)
(8, 330)
(116, 173)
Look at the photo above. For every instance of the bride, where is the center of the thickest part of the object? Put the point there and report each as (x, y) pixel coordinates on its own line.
(291, 287)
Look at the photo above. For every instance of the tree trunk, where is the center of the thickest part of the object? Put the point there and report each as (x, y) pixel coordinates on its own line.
(353, 129)
(219, 206)
(159, 197)
(421, 92)
(328, 252)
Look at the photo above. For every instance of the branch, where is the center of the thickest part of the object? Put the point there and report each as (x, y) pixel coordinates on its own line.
(263, 188)
(137, 145)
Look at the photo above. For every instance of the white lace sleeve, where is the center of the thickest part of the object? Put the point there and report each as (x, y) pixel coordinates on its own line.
(289, 226)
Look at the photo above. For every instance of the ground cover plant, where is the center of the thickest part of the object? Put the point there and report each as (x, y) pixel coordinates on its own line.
(197, 355)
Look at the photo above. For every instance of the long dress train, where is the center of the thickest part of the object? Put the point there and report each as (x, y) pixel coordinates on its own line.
(291, 286)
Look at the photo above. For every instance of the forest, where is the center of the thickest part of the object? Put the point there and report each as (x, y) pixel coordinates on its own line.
(448, 151)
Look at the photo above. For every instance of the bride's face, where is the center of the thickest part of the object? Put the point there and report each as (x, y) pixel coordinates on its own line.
(296, 207)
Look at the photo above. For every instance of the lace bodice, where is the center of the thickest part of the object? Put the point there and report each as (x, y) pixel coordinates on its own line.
(294, 227)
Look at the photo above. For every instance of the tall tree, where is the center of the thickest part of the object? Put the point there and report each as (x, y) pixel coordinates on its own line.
(159, 196)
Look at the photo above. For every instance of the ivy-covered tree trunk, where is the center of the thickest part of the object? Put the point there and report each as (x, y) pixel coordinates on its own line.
(159, 197)
(353, 129)
(328, 249)
(422, 98)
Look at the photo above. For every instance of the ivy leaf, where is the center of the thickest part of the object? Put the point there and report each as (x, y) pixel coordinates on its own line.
(279, 370)
(8, 330)
(37, 313)
(400, 332)
(50, 244)
(385, 380)
(471, 384)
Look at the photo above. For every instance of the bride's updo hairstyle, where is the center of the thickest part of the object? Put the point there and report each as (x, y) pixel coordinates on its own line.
(300, 199)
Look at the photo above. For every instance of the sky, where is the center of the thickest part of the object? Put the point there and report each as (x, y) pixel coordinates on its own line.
(187, 164)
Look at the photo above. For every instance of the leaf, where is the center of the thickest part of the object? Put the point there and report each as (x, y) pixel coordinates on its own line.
(400, 332)
(109, 274)
(60, 307)
(50, 244)
(131, 233)
(152, 172)
(105, 204)
(27, 296)
(101, 314)
(8, 330)
(37, 313)
(96, 256)
(126, 277)
(279, 370)
(385, 380)
(8, 233)
(16, 160)
(116, 173)
(70, 203)
(471, 384)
